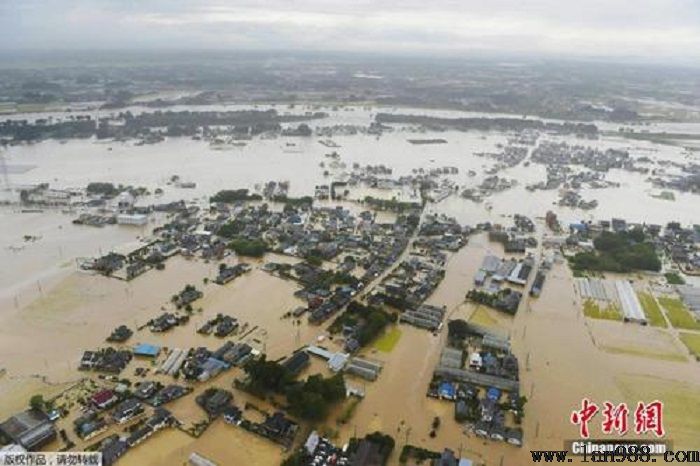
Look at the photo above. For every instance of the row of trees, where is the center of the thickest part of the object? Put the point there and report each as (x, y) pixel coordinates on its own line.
(248, 247)
(234, 195)
(623, 251)
(370, 321)
(310, 399)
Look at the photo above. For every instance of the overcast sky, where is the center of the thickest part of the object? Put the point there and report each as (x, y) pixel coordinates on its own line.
(655, 29)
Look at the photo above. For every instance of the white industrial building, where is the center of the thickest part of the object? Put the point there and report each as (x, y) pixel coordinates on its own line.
(132, 219)
(631, 307)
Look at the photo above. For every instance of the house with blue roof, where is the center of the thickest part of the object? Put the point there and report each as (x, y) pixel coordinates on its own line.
(447, 391)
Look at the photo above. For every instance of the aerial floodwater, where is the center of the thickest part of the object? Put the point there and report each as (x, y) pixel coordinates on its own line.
(240, 233)
(72, 164)
(53, 307)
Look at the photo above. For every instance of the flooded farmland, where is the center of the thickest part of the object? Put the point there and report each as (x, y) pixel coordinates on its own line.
(51, 310)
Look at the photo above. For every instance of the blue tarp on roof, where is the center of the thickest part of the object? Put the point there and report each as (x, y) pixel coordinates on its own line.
(144, 349)
(493, 394)
(447, 390)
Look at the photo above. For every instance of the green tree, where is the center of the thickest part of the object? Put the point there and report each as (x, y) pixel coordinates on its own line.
(458, 329)
(37, 402)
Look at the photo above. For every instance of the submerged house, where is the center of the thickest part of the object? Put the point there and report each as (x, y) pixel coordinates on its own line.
(126, 410)
(214, 401)
(104, 399)
(537, 285)
(279, 428)
(31, 429)
(296, 362)
(227, 274)
(120, 334)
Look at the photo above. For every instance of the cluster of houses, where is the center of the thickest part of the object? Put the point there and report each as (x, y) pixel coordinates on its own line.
(221, 325)
(322, 292)
(570, 198)
(488, 186)
(678, 242)
(438, 232)
(553, 153)
(566, 176)
(107, 407)
(300, 230)
(686, 182)
(115, 446)
(429, 180)
(494, 276)
(362, 243)
(495, 271)
(514, 241)
(109, 360)
(410, 283)
(508, 156)
(202, 364)
(682, 245)
(320, 451)
(155, 394)
(167, 321)
(481, 377)
(182, 234)
(277, 427)
(361, 250)
(413, 281)
(160, 419)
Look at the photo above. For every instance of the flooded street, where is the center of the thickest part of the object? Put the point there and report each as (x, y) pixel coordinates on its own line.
(51, 311)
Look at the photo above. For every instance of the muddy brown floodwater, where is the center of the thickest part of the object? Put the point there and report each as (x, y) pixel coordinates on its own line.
(50, 312)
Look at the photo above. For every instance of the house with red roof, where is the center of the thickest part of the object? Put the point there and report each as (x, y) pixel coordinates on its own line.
(104, 399)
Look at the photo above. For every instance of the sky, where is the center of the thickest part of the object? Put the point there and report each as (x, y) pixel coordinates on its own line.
(657, 30)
